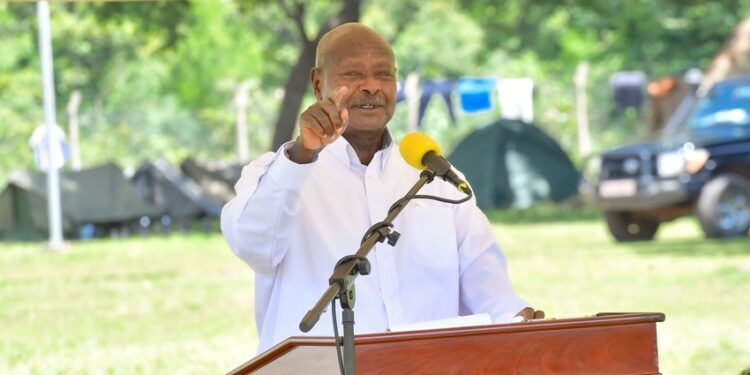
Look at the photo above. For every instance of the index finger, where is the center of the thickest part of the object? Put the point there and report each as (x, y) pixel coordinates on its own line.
(340, 96)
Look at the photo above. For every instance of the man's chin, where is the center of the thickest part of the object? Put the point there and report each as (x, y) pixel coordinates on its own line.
(367, 124)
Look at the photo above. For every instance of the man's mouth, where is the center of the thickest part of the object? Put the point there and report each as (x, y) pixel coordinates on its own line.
(368, 103)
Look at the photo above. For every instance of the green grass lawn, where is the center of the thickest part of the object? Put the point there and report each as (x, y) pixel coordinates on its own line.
(183, 304)
(178, 305)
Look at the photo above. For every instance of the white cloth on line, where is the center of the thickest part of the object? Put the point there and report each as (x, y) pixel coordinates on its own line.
(516, 98)
(39, 143)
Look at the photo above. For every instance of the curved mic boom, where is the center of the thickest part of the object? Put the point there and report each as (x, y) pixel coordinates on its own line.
(422, 152)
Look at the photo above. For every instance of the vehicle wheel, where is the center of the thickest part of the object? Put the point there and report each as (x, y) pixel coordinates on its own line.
(627, 227)
(724, 206)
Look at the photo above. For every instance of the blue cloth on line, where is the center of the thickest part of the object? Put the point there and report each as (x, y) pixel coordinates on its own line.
(475, 94)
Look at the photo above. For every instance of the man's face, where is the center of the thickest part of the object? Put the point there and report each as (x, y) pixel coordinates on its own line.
(368, 70)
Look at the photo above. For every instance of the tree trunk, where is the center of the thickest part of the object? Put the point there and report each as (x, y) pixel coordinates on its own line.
(296, 85)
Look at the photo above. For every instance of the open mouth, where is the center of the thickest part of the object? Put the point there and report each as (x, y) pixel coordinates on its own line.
(368, 106)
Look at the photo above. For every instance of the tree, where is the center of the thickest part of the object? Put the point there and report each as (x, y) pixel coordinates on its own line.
(297, 81)
(438, 41)
(213, 50)
(20, 90)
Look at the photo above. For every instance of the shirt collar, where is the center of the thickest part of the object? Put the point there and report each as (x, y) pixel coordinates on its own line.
(343, 151)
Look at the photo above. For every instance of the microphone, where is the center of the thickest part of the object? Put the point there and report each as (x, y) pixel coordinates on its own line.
(422, 152)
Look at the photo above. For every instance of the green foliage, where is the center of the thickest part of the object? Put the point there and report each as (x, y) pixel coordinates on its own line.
(20, 92)
(279, 34)
(157, 79)
(660, 37)
(138, 120)
(214, 54)
(440, 41)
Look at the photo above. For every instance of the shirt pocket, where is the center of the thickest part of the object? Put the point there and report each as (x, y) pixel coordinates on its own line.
(431, 236)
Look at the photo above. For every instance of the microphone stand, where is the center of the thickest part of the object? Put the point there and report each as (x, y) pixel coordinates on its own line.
(341, 282)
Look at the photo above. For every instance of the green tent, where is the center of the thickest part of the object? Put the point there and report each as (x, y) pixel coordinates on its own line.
(217, 182)
(173, 193)
(514, 164)
(99, 196)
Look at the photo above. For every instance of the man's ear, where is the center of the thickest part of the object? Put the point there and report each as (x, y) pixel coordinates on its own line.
(315, 79)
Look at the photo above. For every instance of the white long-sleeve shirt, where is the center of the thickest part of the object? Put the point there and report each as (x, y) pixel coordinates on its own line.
(292, 222)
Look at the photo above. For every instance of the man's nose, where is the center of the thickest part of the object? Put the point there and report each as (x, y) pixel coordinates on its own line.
(369, 84)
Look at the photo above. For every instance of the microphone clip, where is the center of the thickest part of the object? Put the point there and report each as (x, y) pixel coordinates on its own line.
(429, 174)
(385, 231)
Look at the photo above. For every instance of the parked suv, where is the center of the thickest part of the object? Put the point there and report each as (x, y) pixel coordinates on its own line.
(700, 166)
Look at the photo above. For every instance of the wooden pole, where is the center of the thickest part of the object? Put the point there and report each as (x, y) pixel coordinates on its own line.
(582, 117)
(411, 91)
(75, 154)
(241, 95)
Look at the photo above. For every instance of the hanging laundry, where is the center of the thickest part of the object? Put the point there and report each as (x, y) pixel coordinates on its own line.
(444, 88)
(39, 142)
(515, 96)
(627, 87)
(475, 94)
(400, 92)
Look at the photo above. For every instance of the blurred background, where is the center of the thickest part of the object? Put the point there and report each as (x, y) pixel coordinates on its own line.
(159, 104)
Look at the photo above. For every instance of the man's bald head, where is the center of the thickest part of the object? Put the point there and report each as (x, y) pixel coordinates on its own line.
(344, 38)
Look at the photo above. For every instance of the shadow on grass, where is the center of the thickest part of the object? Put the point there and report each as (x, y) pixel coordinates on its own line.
(545, 213)
(694, 247)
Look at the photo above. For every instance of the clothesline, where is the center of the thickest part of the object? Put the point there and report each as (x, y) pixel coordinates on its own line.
(514, 96)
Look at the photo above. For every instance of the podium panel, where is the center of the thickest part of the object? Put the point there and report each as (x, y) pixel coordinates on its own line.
(614, 344)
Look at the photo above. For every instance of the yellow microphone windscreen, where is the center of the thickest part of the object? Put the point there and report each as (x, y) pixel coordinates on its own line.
(414, 146)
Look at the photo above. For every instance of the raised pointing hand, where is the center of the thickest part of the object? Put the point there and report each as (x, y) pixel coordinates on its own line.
(321, 124)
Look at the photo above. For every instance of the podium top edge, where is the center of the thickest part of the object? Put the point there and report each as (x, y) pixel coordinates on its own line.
(597, 320)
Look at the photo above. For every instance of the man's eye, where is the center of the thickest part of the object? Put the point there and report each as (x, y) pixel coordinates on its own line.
(352, 74)
(385, 74)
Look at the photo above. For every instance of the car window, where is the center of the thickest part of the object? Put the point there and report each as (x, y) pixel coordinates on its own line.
(725, 105)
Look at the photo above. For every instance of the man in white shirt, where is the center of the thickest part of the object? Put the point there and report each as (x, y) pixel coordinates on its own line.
(301, 209)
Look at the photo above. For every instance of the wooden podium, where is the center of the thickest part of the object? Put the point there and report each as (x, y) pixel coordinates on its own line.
(610, 344)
